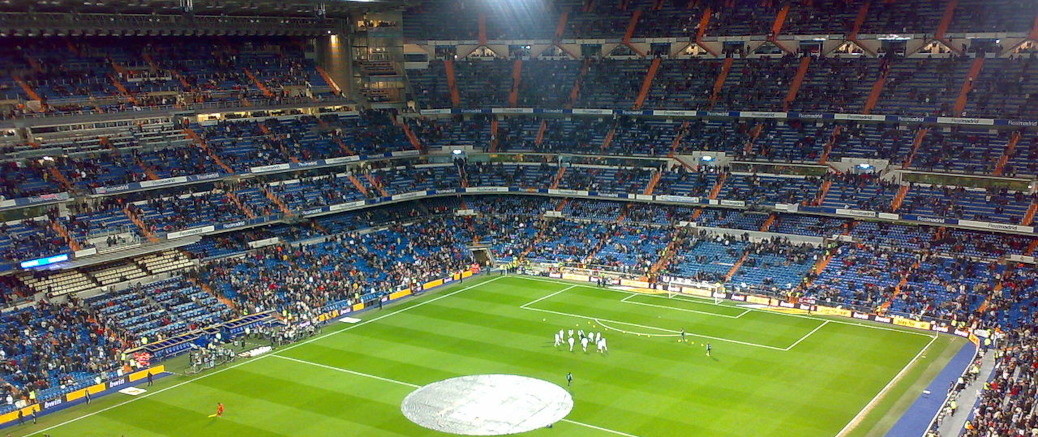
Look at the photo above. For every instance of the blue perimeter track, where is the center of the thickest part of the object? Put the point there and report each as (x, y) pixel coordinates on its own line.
(916, 419)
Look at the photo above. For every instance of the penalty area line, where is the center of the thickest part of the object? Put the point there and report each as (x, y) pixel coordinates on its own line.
(232, 366)
(548, 296)
(808, 335)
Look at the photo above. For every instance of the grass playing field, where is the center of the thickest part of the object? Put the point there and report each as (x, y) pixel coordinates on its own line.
(770, 374)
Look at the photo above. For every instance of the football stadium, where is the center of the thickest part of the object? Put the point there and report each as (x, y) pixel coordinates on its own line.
(589, 218)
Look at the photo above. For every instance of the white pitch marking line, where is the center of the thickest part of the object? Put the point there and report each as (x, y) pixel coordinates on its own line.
(879, 395)
(352, 372)
(706, 313)
(808, 335)
(548, 296)
(598, 428)
(408, 384)
(656, 328)
(290, 347)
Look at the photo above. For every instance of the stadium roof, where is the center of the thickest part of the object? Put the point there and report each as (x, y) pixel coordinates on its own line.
(272, 8)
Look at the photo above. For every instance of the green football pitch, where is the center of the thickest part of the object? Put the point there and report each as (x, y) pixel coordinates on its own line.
(770, 373)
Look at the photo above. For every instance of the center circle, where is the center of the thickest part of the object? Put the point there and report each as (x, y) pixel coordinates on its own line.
(487, 405)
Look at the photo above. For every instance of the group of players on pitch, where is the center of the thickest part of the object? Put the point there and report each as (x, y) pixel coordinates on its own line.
(585, 339)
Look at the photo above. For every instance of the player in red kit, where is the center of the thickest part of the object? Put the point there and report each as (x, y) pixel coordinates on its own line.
(219, 410)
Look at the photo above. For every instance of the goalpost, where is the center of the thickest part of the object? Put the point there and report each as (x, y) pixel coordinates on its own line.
(686, 287)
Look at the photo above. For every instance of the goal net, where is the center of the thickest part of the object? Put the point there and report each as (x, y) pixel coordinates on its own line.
(687, 287)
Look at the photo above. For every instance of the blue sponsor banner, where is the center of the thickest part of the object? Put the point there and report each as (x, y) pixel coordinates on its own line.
(746, 114)
(34, 200)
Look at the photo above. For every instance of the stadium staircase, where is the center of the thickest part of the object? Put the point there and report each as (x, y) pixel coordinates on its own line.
(1002, 160)
(717, 187)
(378, 187)
(647, 84)
(776, 27)
(794, 87)
(28, 89)
(328, 79)
(885, 306)
(629, 33)
(517, 76)
(767, 223)
(652, 182)
(206, 288)
(277, 201)
(204, 146)
(60, 229)
(899, 198)
(608, 139)
(558, 177)
(942, 27)
(602, 241)
(540, 132)
(342, 145)
(276, 139)
(735, 268)
(452, 83)
(1029, 217)
(1031, 248)
(356, 183)
(122, 89)
(259, 84)
(829, 145)
(704, 22)
(560, 29)
(493, 135)
(58, 176)
(410, 137)
(562, 204)
(234, 198)
(748, 149)
(148, 171)
(575, 93)
(676, 239)
(877, 90)
(141, 225)
(677, 140)
(719, 83)
(863, 14)
(967, 85)
(823, 190)
(482, 28)
(919, 136)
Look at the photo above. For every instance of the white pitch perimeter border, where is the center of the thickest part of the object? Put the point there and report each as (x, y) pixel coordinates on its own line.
(282, 350)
